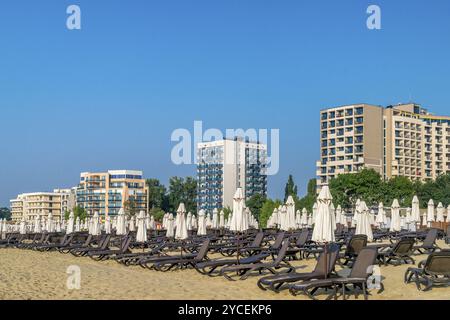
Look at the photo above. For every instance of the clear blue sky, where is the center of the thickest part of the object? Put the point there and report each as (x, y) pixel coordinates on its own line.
(109, 96)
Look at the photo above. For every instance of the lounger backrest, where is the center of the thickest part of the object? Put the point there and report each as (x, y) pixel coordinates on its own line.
(430, 239)
(331, 256)
(302, 238)
(356, 243)
(438, 263)
(88, 240)
(203, 251)
(105, 241)
(258, 239)
(282, 253)
(278, 241)
(366, 258)
(403, 246)
(125, 244)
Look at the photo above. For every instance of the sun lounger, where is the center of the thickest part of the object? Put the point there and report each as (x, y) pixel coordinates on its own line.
(429, 244)
(100, 255)
(244, 270)
(434, 271)
(275, 282)
(361, 270)
(400, 252)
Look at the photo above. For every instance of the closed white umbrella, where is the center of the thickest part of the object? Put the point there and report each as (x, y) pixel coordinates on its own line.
(121, 228)
(37, 224)
(304, 218)
(415, 210)
(215, 219)
(164, 222)
(189, 221)
(323, 224)
(194, 222)
(182, 231)
(148, 222)
(77, 225)
(50, 223)
(314, 212)
(440, 213)
(132, 225)
(170, 226)
(290, 214)
(430, 212)
(108, 226)
(395, 217)
(310, 221)
(71, 223)
(381, 216)
(372, 217)
(333, 215)
(339, 214)
(363, 221)
(141, 234)
(95, 229)
(222, 219)
(23, 227)
(237, 217)
(208, 221)
(201, 231)
(283, 217)
(298, 219)
(152, 223)
(246, 219)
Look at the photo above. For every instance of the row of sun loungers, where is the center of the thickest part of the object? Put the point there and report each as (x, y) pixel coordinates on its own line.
(259, 253)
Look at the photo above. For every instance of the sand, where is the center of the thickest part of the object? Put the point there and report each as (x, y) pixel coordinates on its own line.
(34, 275)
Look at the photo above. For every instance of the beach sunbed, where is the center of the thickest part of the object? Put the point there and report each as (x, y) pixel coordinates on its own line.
(431, 272)
(275, 282)
(429, 243)
(400, 252)
(244, 270)
(361, 270)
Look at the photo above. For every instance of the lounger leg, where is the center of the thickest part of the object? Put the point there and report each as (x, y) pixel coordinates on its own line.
(366, 297)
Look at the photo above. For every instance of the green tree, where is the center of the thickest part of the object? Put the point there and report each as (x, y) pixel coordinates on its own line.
(400, 188)
(5, 213)
(255, 203)
(157, 213)
(290, 189)
(80, 213)
(183, 190)
(309, 199)
(130, 207)
(227, 212)
(267, 210)
(157, 194)
(366, 185)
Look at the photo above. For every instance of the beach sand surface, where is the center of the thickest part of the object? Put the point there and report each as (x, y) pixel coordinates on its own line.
(26, 274)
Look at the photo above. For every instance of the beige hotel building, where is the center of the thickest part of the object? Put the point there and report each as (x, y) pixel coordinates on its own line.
(30, 205)
(107, 192)
(401, 140)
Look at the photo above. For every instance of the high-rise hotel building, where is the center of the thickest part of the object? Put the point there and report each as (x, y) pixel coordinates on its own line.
(108, 192)
(225, 165)
(401, 140)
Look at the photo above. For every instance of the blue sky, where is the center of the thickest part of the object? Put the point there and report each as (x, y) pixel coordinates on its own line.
(109, 96)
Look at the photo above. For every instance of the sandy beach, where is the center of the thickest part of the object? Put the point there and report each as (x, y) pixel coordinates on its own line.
(34, 275)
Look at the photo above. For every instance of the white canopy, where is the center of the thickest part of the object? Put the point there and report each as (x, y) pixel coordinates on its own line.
(430, 212)
(201, 231)
(182, 231)
(237, 223)
(323, 224)
(440, 210)
(71, 223)
(222, 219)
(395, 217)
(121, 228)
(170, 226)
(290, 214)
(363, 225)
(141, 235)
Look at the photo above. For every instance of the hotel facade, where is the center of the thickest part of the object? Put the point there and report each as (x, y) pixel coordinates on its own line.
(225, 165)
(30, 205)
(401, 140)
(108, 192)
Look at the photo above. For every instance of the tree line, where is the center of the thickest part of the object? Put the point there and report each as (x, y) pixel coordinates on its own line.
(367, 185)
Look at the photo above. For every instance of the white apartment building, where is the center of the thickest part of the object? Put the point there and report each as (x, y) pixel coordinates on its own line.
(225, 165)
